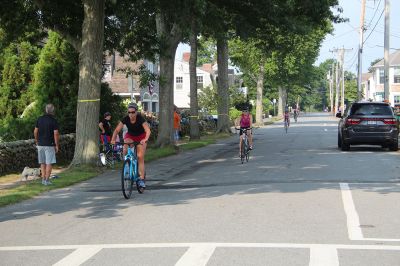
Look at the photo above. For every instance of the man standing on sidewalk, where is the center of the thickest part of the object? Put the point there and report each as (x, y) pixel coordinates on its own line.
(47, 141)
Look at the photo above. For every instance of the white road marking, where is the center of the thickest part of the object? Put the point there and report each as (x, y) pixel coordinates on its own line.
(321, 255)
(196, 256)
(216, 245)
(353, 221)
(79, 256)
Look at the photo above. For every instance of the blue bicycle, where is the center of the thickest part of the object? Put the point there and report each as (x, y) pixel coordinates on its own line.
(130, 171)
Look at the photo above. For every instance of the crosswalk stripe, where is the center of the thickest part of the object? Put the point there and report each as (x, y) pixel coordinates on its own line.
(196, 256)
(78, 257)
(323, 256)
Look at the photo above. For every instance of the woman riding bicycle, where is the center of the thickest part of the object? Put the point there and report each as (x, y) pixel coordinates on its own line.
(287, 116)
(245, 122)
(138, 131)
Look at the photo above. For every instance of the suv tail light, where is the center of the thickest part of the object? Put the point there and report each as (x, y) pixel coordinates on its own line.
(353, 121)
(390, 121)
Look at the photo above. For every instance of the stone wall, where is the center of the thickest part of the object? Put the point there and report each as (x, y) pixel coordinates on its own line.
(14, 156)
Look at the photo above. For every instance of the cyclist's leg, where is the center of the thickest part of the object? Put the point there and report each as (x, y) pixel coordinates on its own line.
(240, 141)
(141, 150)
(250, 136)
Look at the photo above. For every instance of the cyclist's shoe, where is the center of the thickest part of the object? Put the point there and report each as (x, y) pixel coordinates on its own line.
(141, 183)
(251, 147)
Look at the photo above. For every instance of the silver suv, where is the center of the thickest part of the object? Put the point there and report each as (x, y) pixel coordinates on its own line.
(371, 123)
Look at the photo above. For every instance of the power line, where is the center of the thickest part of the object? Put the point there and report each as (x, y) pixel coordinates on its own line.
(372, 19)
(374, 26)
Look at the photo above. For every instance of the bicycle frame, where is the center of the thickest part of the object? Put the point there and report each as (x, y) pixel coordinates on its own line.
(132, 156)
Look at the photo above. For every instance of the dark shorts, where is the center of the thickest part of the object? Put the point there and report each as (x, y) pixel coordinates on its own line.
(241, 130)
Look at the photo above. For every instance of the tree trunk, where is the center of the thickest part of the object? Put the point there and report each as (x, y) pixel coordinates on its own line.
(194, 109)
(172, 38)
(259, 100)
(90, 70)
(223, 86)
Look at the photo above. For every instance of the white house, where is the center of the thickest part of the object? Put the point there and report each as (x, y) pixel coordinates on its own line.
(182, 81)
(377, 82)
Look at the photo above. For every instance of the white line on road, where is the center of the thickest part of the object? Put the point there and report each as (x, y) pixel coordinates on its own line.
(353, 221)
(321, 255)
(217, 245)
(196, 256)
(79, 256)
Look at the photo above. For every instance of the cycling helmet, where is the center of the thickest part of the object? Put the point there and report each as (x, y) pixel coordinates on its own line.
(133, 105)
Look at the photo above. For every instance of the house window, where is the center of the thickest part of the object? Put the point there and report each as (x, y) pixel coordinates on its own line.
(381, 76)
(179, 83)
(145, 106)
(199, 82)
(397, 75)
(397, 99)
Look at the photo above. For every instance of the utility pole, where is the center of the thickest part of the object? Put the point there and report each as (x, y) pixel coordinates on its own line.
(337, 88)
(360, 50)
(331, 88)
(340, 55)
(386, 54)
(342, 97)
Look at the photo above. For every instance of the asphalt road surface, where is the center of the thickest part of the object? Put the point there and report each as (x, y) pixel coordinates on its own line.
(298, 201)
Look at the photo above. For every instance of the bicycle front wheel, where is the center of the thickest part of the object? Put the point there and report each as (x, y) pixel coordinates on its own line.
(126, 180)
(242, 151)
(247, 150)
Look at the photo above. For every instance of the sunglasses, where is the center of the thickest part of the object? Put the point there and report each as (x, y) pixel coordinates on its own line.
(132, 112)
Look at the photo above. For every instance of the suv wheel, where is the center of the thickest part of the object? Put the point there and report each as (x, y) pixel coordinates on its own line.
(344, 145)
(394, 146)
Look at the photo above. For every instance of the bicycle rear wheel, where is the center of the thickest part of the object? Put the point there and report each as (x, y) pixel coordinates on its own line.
(286, 126)
(126, 180)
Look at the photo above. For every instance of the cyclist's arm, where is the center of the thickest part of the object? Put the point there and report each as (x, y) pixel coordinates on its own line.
(101, 127)
(116, 132)
(147, 130)
(251, 121)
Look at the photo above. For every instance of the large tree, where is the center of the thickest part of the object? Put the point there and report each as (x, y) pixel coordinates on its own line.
(82, 24)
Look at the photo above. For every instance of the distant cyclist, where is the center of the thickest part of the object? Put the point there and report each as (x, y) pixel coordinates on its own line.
(245, 122)
(287, 116)
(138, 131)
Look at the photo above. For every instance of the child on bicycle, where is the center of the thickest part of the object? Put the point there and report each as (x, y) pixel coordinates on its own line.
(245, 122)
(138, 131)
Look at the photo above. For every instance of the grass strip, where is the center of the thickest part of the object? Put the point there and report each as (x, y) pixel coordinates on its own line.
(34, 188)
(78, 174)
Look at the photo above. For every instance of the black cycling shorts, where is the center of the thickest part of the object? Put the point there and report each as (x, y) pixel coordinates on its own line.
(241, 130)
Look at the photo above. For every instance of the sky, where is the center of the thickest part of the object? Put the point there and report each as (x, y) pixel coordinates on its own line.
(347, 34)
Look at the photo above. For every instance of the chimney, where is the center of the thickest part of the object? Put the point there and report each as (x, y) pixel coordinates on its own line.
(186, 57)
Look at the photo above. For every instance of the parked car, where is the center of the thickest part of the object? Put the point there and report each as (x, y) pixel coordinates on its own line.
(370, 123)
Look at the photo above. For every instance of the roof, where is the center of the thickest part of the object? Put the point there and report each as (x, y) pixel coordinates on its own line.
(366, 76)
(394, 60)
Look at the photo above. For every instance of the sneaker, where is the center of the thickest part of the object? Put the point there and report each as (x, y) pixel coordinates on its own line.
(251, 147)
(48, 183)
(141, 183)
(44, 182)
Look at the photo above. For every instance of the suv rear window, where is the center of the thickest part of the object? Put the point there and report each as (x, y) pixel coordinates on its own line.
(371, 109)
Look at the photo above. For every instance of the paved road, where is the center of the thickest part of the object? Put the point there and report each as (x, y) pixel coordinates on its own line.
(298, 201)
